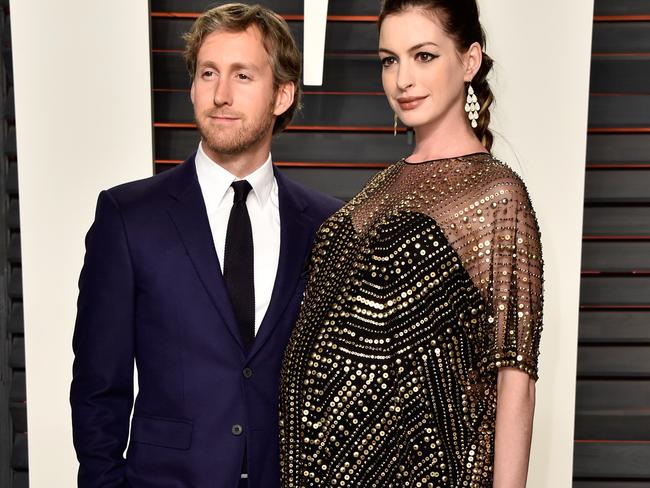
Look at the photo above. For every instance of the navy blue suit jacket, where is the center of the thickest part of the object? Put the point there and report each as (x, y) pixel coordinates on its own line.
(151, 290)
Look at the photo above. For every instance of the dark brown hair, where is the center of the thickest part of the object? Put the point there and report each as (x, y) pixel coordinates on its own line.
(460, 20)
(278, 42)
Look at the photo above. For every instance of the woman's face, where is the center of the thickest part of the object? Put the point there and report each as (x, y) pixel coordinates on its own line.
(423, 73)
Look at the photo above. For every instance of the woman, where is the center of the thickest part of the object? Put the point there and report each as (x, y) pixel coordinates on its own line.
(414, 359)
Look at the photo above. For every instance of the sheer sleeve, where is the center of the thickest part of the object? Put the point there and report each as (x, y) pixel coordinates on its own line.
(515, 272)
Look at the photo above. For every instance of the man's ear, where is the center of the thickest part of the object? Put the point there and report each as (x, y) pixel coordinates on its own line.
(472, 60)
(284, 98)
(192, 92)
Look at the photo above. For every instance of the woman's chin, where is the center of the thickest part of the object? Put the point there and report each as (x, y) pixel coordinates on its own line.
(412, 122)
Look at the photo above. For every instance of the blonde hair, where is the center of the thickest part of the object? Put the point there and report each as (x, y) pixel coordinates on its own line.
(279, 44)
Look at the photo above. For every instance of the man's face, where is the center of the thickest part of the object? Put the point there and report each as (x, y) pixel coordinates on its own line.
(233, 94)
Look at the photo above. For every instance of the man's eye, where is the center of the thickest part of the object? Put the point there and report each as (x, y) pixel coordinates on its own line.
(242, 76)
(208, 74)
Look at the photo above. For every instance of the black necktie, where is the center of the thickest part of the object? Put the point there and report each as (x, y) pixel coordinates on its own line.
(238, 263)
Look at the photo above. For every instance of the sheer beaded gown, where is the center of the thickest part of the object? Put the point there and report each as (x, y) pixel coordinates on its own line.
(421, 288)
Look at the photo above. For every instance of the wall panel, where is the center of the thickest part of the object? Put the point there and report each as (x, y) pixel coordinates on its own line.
(83, 124)
(613, 394)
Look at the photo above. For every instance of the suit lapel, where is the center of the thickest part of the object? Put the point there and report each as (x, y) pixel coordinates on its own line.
(295, 237)
(191, 220)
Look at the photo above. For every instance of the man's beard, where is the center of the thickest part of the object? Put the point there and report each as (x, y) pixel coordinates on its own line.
(232, 142)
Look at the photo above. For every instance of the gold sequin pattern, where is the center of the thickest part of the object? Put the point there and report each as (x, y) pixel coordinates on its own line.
(420, 288)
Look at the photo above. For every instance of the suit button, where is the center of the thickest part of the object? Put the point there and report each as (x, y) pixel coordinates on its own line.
(248, 373)
(237, 429)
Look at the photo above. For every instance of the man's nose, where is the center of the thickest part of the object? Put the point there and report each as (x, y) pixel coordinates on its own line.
(222, 93)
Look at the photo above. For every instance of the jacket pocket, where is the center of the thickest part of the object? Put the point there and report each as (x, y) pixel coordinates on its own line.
(162, 432)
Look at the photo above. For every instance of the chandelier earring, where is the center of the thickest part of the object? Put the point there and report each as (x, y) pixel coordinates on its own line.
(472, 107)
(394, 124)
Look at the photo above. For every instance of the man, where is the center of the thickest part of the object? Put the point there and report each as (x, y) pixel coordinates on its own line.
(197, 275)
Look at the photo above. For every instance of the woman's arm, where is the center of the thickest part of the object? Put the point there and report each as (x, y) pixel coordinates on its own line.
(513, 428)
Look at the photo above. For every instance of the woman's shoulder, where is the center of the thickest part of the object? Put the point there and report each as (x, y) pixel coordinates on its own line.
(493, 177)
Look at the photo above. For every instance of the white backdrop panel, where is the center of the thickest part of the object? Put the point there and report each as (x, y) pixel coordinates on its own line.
(542, 54)
(83, 123)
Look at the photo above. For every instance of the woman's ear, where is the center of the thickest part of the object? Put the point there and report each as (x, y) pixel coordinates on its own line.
(472, 60)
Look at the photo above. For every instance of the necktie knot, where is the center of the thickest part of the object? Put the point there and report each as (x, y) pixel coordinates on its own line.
(242, 188)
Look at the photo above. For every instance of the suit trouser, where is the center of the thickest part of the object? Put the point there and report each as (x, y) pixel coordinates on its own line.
(243, 483)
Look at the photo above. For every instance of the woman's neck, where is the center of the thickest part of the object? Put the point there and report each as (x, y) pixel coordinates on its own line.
(446, 140)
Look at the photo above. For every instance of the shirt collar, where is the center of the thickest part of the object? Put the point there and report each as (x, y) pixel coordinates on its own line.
(219, 179)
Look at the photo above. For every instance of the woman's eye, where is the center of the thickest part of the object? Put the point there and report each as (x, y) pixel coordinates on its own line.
(425, 57)
(387, 61)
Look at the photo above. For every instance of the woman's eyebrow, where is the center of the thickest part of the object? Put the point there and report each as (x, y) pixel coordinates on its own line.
(413, 48)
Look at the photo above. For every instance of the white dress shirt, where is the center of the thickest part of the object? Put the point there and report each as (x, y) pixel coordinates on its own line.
(264, 211)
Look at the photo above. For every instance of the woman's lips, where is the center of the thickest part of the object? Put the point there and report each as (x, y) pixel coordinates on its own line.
(409, 103)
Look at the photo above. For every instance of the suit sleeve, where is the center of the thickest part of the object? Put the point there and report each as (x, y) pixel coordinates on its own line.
(101, 394)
